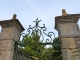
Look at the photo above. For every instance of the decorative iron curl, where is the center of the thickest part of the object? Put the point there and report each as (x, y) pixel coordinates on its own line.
(40, 31)
(23, 35)
(49, 35)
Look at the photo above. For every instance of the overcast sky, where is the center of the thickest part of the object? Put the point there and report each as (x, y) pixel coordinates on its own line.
(46, 10)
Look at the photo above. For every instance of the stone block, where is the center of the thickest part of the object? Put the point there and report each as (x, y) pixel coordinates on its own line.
(1, 55)
(16, 34)
(73, 18)
(11, 29)
(67, 54)
(68, 30)
(7, 33)
(74, 50)
(10, 33)
(77, 38)
(78, 44)
(8, 55)
(68, 43)
(76, 55)
(7, 45)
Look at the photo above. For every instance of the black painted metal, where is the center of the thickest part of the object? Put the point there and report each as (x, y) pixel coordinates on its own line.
(41, 32)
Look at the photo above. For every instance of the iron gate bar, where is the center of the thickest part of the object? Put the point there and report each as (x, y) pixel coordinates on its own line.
(40, 44)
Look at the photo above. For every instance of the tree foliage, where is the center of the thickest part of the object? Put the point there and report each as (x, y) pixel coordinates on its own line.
(56, 49)
(32, 48)
(54, 52)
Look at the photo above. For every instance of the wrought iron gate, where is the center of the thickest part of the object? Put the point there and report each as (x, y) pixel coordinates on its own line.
(40, 32)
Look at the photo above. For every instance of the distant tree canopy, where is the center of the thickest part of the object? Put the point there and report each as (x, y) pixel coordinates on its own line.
(32, 48)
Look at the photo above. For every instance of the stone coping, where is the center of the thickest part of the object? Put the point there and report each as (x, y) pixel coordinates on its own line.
(11, 23)
(69, 15)
(71, 18)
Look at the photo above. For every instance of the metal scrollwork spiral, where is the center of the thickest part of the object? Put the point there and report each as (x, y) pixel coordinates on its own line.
(41, 31)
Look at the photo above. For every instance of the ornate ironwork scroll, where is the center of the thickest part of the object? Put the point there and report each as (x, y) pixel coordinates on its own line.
(41, 32)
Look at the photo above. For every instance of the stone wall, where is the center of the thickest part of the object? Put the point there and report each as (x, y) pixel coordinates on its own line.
(9, 36)
(11, 30)
(69, 35)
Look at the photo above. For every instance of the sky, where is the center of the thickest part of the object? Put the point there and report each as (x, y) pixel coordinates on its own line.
(46, 10)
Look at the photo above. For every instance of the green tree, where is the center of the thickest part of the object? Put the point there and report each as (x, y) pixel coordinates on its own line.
(56, 53)
(47, 54)
(32, 46)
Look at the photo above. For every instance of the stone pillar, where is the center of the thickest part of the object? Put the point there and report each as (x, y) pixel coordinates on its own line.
(68, 30)
(10, 33)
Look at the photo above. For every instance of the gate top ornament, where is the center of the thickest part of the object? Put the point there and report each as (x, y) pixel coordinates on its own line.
(40, 31)
(14, 16)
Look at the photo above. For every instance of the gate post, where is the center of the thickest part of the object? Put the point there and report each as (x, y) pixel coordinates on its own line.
(10, 33)
(69, 35)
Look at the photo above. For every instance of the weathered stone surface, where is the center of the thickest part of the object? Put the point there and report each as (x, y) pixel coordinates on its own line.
(69, 33)
(76, 55)
(77, 38)
(67, 54)
(78, 42)
(12, 23)
(8, 55)
(7, 33)
(67, 25)
(16, 34)
(11, 29)
(7, 45)
(68, 30)
(10, 33)
(68, 43)
(74, 51)
(1, 55)
(66, 19)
